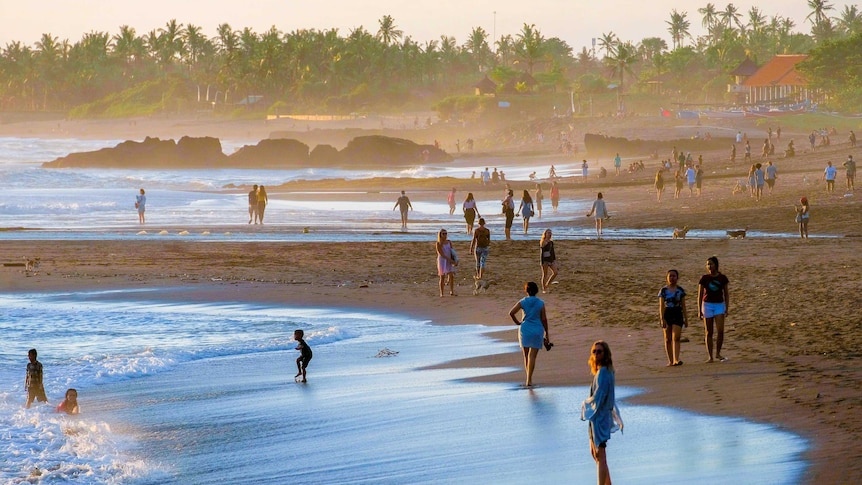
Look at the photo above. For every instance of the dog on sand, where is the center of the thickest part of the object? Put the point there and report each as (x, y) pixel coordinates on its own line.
(680, 233)
(482, 286)
(738, 234)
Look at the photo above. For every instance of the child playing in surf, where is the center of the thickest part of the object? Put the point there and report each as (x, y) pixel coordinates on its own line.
(70, 404)
(305, 354)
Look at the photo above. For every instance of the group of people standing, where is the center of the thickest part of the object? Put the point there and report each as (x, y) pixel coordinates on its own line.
(257, 201)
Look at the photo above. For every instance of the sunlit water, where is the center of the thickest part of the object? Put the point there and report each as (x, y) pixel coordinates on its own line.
(184, 393)
(182, 204)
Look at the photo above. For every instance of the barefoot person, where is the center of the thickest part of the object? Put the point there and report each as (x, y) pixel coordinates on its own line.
(802, 214)
(451, 200)
(539, 197)
(509, 212)
(713, 301)
(471, 211)
(600, 211)
(141, 205)
(305, 354)
(446, 262)
(672, 316)
(555, 195)
(33, 380)
(526, 209)
(480, 246)
(252, 205)
(548, 259)
(403, 204)
(600, 408)
(533, 327)
(262, 201)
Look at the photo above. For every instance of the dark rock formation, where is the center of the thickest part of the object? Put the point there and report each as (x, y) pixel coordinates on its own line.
(383, 151)
(608, 146)
(271, 153)
(324, 156)
(150, 153)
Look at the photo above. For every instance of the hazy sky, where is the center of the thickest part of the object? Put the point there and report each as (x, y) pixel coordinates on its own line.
(574, 21)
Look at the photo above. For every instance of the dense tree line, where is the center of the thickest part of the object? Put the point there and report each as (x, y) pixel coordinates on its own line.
(179, 67)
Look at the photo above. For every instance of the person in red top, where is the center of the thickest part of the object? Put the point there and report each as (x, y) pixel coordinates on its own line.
(70, 404)
(713, 301)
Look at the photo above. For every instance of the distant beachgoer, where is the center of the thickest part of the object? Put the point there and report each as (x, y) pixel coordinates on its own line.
(480, 247)
(509, 212)
(752, 181)
(713, 302)
(495, 176)
(679, 181)
(305, 354)
(33, 380)
(471, 211)
(451, 200)
(738, 137)
(526, 209)
(764, 152)
(141, 205)
(486, 177)
(829, 176)
(533, 328)
(617, 163)
(584, 170)
(759, 180)
(502, 176)
(659, 184)
(850, 173)
(538, 199)
(672, 315)
(747, 151)
(852, 139)
(732, 153)
(600, 211)
(771, 175)
(252, 205)
(698, 179)
(403, 204)
(691, 178)
(548, 259)
(70, 403)
(600, 409)
(447, 260)
(803, 211)
(555, 195)
(552, 173)
(262, 201)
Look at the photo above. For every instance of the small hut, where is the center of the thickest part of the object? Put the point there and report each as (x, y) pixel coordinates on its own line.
(485, 87)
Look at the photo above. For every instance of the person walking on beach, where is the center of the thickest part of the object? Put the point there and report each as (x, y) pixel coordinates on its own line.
(539, 197)
(480, 246)
(829, 176)
(532, 328)
(252, 205)
(759, 180)
(451, 200)
(141, 205)
(584, 171)
(548, 259)
(600, 409)
(486, 177)
(70, 403)
(672, 315)
(771, 175)
(403, 204)
(659, 184)
(850, 173)
(600, 211)
(733, 153)
(526, 209)
(802, 213)
(509, 212)
(33, 380)
(713, 301)
(698, 179)
(555, 195)
(747, 152)
(305, 354)
(447, 260)
(678, 181)
(691, 176)
(471, 211)
(262, 201)
(617, 164)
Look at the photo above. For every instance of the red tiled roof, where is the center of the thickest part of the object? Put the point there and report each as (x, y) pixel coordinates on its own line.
(779, 71)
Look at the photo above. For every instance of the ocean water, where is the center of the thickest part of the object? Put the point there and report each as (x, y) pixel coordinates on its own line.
(211, 205)
(174, 392)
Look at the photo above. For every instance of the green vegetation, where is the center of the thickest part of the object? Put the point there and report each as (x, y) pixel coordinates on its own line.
(179, 69)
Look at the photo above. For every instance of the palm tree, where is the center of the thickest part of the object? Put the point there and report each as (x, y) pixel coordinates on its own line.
(850, 21)
(529, 46)
(818, 11)
(477, 46)
(678, 26)
(621, 60)
(608, 42)
(388, 32)
(730, 16)
(651, 47)
(710, 16)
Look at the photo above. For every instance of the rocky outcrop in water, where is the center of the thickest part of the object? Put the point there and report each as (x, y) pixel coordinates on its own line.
(273, 153)
(608, 146)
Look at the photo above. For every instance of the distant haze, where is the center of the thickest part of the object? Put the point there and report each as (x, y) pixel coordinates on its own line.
(574, 21)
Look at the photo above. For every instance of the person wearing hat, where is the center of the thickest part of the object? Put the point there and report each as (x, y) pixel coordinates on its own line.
(802, 213)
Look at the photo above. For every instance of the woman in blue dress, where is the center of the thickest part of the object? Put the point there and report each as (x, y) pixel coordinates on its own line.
(533, 331)
(600, 408)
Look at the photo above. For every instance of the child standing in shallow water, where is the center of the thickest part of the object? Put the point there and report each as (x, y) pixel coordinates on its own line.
(33, 380)
(305, 354)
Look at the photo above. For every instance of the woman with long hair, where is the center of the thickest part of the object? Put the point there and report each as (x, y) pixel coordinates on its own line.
(548, 259)
(600, 408)
(446, 262)
(672, 316)
(713, 300)
(526, 209)
(471, 211)
(802, 214)
(262, 200)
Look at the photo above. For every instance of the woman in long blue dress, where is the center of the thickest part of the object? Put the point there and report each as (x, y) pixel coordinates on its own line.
(600, 408)
(533, 331)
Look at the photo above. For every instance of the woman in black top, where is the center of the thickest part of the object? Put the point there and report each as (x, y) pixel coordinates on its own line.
(548, 259)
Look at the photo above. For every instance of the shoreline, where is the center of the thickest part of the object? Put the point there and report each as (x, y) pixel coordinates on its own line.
(782, 373)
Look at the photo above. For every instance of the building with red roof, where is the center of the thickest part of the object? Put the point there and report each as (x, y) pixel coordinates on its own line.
(778, 81)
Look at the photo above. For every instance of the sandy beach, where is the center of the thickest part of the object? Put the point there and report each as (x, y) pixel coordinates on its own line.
(793, 331)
